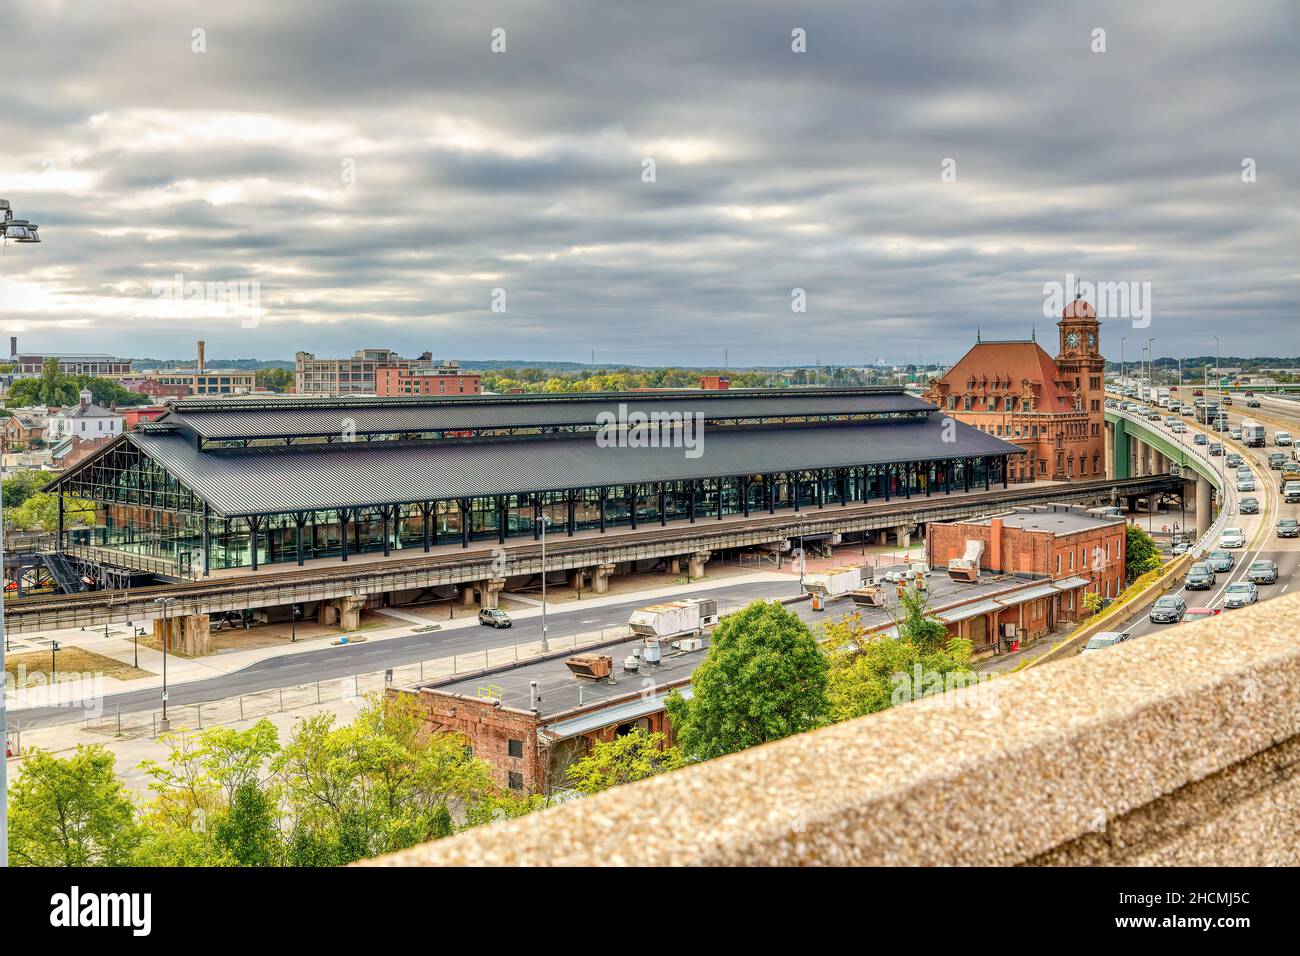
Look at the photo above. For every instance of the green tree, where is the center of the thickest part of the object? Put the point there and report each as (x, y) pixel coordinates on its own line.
(40, 512)
(247, 833)
(380, 784)
(1140, 554)
(21, 485)
(276, 379)
(633, 756)
(867, 671)
(764, 678)
(70, 811)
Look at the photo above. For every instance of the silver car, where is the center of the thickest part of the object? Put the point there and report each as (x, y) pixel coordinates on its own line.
(1240, 593)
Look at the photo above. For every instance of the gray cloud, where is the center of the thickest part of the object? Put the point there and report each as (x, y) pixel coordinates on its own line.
(522, 171)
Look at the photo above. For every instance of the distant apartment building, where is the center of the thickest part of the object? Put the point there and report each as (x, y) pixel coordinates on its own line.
(135, 414)
(27, 364)
(714, 382)
(203, 381)
(381, 372)
(445, 379)
(156, 390)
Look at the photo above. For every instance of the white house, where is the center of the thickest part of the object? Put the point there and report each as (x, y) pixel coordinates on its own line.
(83, 420)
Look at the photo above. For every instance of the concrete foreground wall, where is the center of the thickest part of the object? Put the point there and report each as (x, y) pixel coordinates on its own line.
(1182, 747)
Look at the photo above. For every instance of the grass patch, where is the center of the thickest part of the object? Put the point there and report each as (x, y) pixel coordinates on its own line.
(71, 663)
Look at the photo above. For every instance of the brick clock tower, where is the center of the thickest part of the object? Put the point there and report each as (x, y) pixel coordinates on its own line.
(1080, 359)
(1084, 369)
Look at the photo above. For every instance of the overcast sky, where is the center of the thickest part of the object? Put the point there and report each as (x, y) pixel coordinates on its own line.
(378, 170)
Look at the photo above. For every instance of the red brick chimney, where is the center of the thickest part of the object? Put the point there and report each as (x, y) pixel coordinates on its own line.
(995, 544)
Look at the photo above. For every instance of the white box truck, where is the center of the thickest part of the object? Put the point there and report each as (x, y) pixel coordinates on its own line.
(674, 618)
(1252, 434)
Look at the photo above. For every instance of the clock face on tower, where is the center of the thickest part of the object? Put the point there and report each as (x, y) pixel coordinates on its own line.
(1092, 340)
(1072, 340)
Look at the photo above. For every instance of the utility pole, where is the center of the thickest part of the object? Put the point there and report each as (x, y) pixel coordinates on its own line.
(164, 725)
(546, 646)
(1122, 340)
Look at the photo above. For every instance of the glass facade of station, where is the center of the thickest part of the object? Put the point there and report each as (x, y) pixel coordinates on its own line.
(142, 510)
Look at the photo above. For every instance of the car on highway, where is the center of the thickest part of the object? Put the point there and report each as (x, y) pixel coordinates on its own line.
(1220, 560)
(1216, 448)
(1291, 492)
(1200, 439)
(1234, 433)
(1248, 506)
(1187, 410)
(1233, 460)
(494, 617)
(1181, 548)
(1103, 639)
(1240, 594)
(1276, 460)
(1178, 428)
(1245, 484)
(1282, 439)
(1168, 610)
(1200, 613)
(1288, 528)
(1262, 571)
(1253, 403)
(1232, 538)
(1227, 399)
(1200, 577)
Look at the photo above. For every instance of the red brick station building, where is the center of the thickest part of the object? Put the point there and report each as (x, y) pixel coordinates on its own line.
(1052, 408)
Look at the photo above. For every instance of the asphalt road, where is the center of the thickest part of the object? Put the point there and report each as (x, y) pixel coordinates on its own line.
(1262, 541)
(331, 663)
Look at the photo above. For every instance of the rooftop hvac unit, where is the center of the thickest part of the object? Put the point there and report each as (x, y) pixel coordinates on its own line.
(651, 652)
(592, 666)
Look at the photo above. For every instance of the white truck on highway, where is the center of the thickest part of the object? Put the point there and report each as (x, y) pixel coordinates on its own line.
(674, 618)
(1252, 434)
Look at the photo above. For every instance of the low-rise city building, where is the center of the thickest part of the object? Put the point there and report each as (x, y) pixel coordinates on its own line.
(84, 420)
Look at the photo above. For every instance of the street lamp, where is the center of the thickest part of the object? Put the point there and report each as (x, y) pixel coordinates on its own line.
(803, 557)
(1122, 340)
(164, 724)
(19, 230)
(546, 646)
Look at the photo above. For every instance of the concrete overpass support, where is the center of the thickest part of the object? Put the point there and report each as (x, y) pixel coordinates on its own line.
(698, 560)
(349, 612)
(189, 634)
(327, 614)
(600, 576)
(577, 579)
(1204, 506)
(490, 591)
(467, 593)
(904, 535)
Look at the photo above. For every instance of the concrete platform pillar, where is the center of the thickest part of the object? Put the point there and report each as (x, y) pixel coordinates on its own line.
(196, 635)
(675, 566)
(577, 579)
(600, 576)
(904, 536)
(327, 615)
(490, 591)
(467, 593)
(1204, 506)
(349, 612)
(168, 632)
(698, 560)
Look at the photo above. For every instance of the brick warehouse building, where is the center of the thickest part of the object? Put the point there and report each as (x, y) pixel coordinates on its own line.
(1052, 408)
(1066, 544)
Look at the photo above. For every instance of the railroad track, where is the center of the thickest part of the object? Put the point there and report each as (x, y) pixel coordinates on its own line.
(779, 526)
